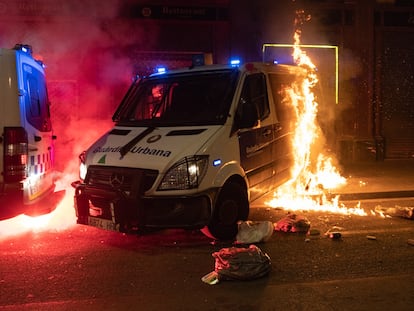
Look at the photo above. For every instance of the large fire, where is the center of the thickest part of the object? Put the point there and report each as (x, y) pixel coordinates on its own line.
(314, 173)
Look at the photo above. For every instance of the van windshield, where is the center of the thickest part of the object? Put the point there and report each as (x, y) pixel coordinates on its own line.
(196, 98)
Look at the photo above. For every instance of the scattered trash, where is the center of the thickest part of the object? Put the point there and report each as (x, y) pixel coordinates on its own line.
(238, 264)
(371, 237)
(293, 223)
(211, 278)
(254, 231)
(335, 235)
(397, 211)
(410, 242)
(336, 228)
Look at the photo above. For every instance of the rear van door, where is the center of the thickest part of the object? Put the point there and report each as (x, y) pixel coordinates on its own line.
(35, 115)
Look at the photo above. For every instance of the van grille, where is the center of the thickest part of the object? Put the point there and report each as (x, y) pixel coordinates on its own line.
(119, 178)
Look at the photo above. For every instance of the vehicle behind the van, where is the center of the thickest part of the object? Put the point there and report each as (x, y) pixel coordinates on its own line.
(190, 148)
(26, 142)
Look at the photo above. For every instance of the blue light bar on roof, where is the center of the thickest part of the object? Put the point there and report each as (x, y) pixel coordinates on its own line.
(235, 62)
(161, 69)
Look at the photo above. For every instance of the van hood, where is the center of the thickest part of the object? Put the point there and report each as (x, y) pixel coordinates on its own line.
(149, 148)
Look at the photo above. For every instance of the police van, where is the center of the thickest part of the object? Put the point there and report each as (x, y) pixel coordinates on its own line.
(190, 149)
(27, 140)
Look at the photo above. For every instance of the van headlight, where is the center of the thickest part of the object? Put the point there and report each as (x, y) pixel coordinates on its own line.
(185, 174)
(82, 166)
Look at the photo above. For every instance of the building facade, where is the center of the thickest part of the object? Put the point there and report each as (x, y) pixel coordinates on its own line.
(93, 49)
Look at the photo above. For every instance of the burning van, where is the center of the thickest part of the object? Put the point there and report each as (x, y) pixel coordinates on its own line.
(27, 148)
(190, 149)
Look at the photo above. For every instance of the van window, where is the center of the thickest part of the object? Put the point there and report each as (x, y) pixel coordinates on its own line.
(199, 98)
(37, 101)
(253, 104)
(254, 91)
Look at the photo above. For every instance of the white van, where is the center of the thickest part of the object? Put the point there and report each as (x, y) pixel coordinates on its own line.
(190, 149)
(26, 142)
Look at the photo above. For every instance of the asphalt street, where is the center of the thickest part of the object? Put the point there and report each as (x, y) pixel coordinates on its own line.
(83, 268)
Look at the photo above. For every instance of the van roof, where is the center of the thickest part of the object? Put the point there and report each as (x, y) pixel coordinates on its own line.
(247, 67)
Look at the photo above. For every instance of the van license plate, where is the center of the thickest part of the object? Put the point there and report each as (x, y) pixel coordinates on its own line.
(102, 223)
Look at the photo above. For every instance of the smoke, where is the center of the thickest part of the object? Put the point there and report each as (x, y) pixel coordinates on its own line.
(88, 68)
(85, 47)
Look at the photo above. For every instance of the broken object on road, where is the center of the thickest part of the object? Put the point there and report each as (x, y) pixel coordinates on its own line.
(397, 211)
(238, 264)
(254, 231)
(293, 223)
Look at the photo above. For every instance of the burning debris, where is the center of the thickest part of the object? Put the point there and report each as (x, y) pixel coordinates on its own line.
(314, 173)
(397, 211)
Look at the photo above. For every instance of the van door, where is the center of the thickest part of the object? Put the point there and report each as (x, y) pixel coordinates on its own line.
(286, 120)
(38, 125)
(256, 134)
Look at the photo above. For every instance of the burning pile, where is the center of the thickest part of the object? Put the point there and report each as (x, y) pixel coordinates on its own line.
(314, 173)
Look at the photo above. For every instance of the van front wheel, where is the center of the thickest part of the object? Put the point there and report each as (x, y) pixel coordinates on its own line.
(232, 205)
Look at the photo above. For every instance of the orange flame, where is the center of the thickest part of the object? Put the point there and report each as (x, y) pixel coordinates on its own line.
(314, 172)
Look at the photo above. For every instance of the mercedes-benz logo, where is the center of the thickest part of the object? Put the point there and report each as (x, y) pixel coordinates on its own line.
(116, 180)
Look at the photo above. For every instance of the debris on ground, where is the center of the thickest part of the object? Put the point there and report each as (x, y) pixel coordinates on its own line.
(254, 231)
(397, 211)
(334, 233)
(371, 237)
(293, 223)
(238, 264)
(410, 242)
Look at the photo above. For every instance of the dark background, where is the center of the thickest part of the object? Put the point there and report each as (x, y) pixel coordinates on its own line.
(93, 49)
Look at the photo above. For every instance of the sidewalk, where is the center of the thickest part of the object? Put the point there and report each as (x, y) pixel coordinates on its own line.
(372, 180)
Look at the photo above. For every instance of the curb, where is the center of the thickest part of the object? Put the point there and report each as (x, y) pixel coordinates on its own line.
(375, 195)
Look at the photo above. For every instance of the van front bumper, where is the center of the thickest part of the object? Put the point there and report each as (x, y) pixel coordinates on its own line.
(112, 209)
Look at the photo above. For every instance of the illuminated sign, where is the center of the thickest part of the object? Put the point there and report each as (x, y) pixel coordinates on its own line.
(175, 12)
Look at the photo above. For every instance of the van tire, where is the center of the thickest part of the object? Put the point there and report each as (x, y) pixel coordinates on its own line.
(232, 205)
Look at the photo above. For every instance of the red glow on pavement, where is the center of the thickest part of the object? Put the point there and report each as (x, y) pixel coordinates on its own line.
(63, 217)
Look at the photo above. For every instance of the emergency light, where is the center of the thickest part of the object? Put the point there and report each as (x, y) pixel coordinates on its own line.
(217, 162)
(235, 62)
(161, 69)
(24, 48)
